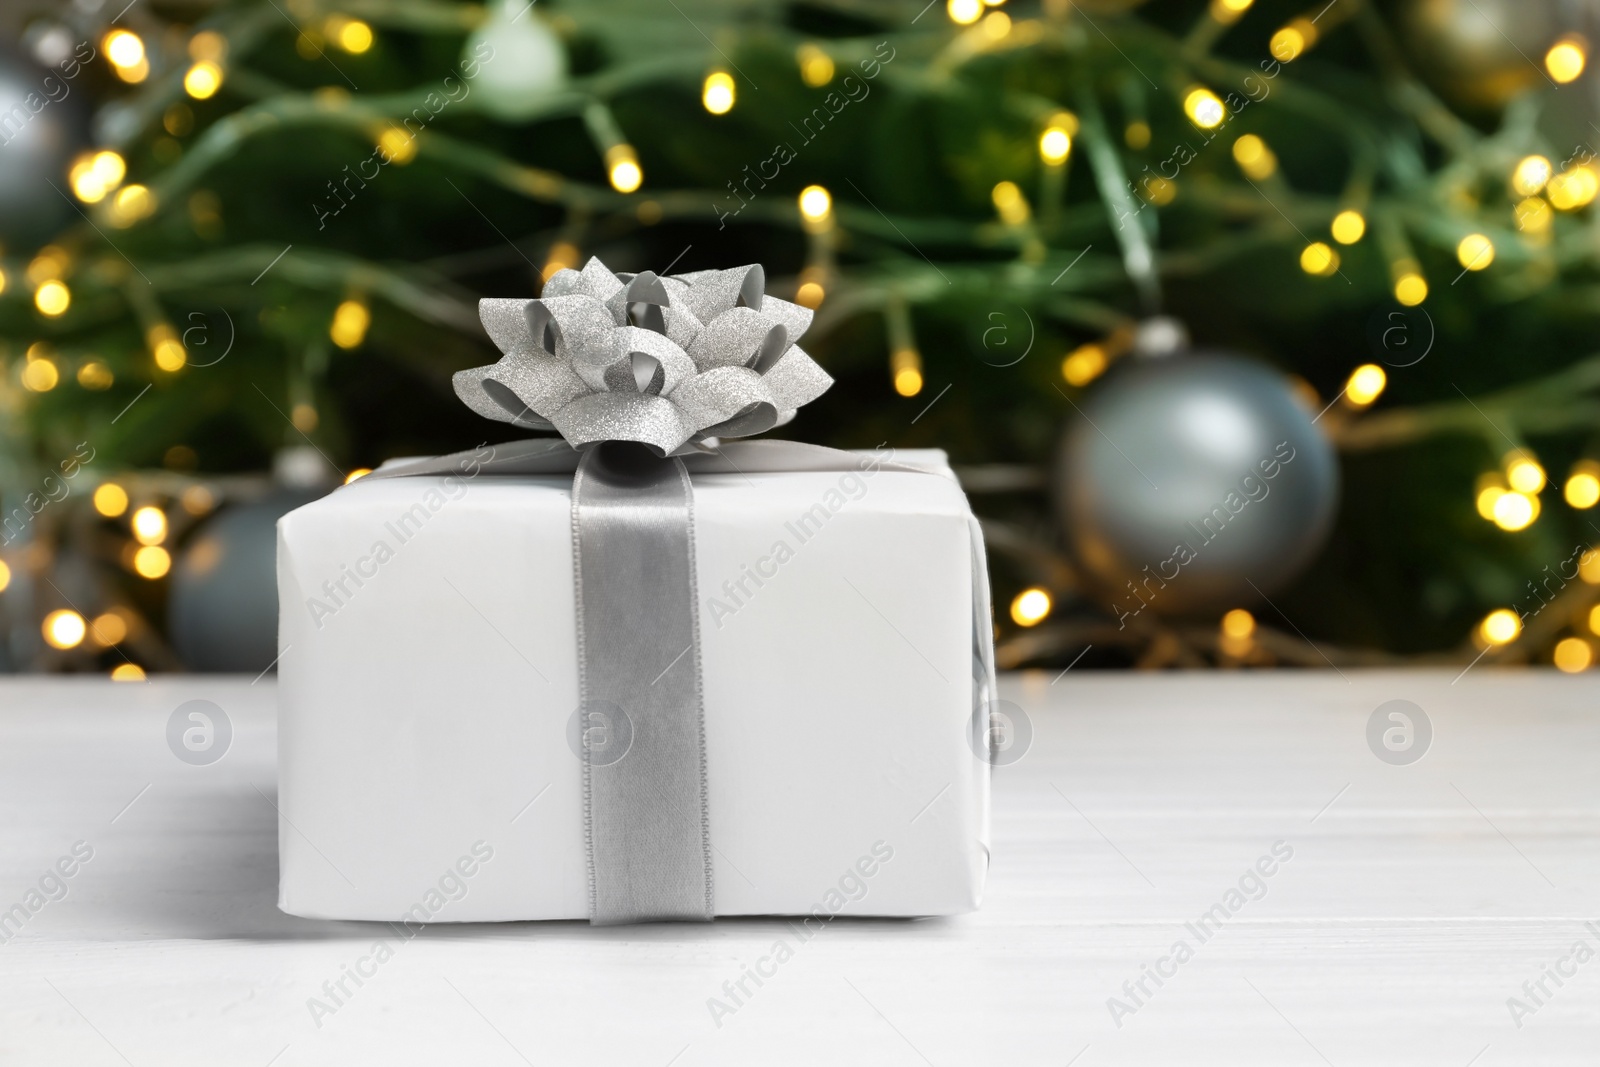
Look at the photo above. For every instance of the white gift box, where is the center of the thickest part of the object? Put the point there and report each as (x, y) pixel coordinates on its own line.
(428, 687)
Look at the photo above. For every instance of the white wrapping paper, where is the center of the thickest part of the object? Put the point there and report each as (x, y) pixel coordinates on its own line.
(428, 686)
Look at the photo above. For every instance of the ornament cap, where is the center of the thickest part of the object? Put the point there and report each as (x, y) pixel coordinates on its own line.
(1160, 336)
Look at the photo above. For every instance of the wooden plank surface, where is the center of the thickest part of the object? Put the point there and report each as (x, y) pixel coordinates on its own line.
(1406, 906)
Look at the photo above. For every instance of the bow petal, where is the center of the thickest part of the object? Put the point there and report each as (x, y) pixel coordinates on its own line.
(593, 280)
(728, 402)
(712, 292)
(650, 420)
(795, 318)
(737, 338)
(796, 379)
(675, 365)
(578, 331)
(506, 324)
(494, 405)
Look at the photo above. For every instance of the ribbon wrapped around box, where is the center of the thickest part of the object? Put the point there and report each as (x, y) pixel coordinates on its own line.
(642, 671)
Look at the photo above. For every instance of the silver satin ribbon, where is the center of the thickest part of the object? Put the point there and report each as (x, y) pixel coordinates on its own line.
(645, 816)
(645, 819)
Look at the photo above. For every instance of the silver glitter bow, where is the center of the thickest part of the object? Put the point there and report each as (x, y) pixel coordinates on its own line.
(664, 361)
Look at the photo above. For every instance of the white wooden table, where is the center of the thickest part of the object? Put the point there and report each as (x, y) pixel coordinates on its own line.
(1417, 900)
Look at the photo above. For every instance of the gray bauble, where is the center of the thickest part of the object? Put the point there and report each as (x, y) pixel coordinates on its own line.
(521, 61)
(43, 124)
(223, 609)
(1481, 53)
(1192, 477)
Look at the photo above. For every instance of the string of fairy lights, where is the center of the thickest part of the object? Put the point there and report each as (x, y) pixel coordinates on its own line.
(1538, 192)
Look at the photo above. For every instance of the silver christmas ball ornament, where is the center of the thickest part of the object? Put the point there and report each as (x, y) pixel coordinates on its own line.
(1193, 483)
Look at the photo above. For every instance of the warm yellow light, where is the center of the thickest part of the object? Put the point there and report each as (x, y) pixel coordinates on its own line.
(1203, 108)
(996, 25)
(1585, 183)
(50, 264)
(203, 80)
(1084, 364)
(357, 474)
(1524, 474)
(352, 35)
(1319, 259)
(1500, 626)
(1287, 44)
(1475, 251)
(1566, 59)
(52, 298)
(197, 500)
(398, 145)
(815, 203)
(1348, 226)
(5, 575)
(149, 525)
(1136, 135)
(1366, 384)
(152, 561)
(304, 417)
(127, 672)
(93, 176)
(350, 322)
(1010, 203)
(1238, 623)
(1055, 144)
(1227, 11)
(1158, 190)
(1594, 612)
(717, 94)
(1533, 215)
(95, 376)
(905, 368)
(563, 255)
(165, 348)
(1531, 174)
(964, 12)
(810, 294)
(109, 166)
(1572, 654)
(1582, 491)
(1515, 511)
(1254, 157)
(132, 203)
(1589, 569)
(1410, 288)
(110, 499)
(64, 629)
(208, 44)
(1583, 485)
(1030, 607)
(1572, 188)
(125, 50)
(108, 629)
(40, 375)
(816, 66)
(622, 167)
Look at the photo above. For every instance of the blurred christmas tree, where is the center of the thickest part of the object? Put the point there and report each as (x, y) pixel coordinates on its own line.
(247, 234)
